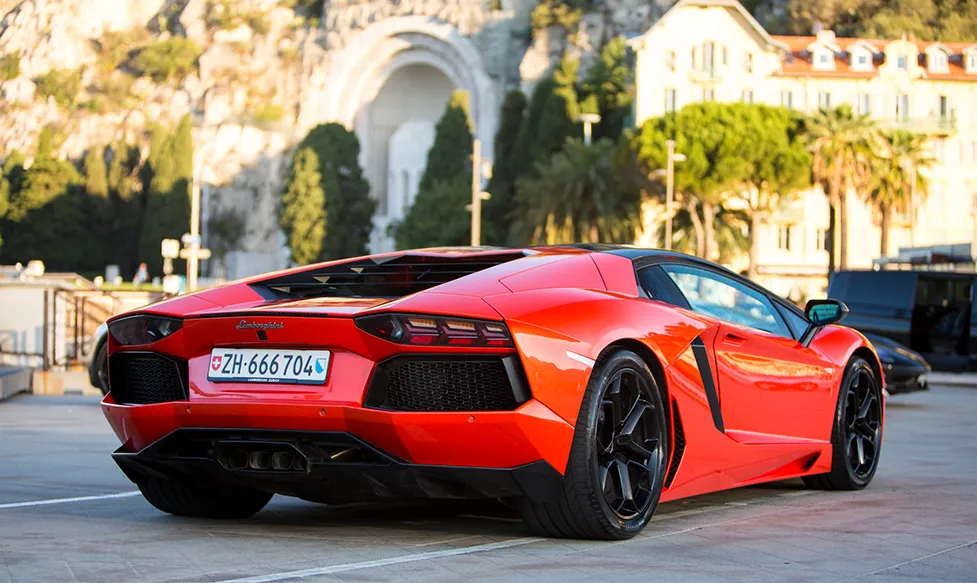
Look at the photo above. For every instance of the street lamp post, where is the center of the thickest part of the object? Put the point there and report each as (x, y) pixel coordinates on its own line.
(588, 119)
(670, 189)
(478, 195)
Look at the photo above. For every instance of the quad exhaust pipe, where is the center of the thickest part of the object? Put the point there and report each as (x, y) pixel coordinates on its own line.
(262, 457)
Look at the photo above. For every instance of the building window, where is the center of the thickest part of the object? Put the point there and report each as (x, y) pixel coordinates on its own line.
(938, 62)
(861, 60)
(824, 59)
(944, 107)
(725, 56)
(902, 106)
(972, 63)
(787, 99)
(902, 62)
(708, 56)
(939, 150)
(820, 235)
(748, 62)
(747, 96)
(864, 104)
(669, 100)
(708, 94)
(783, 237)
(824, 100)
(789, 58)
(973, 151)
(670, 60)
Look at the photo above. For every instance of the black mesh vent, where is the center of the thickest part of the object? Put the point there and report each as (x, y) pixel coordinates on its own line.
(142, 379)
(431, 384)
(679, 448)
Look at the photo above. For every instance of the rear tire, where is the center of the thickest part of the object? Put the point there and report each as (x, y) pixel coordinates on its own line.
(856, 439)
(617, 461)
(183, 499)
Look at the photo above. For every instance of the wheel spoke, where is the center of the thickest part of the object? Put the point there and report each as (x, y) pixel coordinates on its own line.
(614, 395)
(863, 409)
(860, 445)
(624, 482)
(603, 472)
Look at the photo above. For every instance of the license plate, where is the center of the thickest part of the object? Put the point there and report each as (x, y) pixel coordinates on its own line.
(247, 365)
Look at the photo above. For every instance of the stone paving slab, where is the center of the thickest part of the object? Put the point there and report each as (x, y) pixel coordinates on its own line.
(917, 522)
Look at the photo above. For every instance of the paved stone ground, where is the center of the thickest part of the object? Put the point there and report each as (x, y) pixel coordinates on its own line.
(916, 522)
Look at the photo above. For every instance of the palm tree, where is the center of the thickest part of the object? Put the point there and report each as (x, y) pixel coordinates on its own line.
(896, 159)
(839, 141)
(581, 194)
(731, 232)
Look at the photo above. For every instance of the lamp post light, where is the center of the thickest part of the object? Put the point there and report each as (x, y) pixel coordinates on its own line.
(670, 189)
(588, 119)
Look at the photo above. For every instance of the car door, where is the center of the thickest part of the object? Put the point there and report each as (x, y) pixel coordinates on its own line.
(770, 385)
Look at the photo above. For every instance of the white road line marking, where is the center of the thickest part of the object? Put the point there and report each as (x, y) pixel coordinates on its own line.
(33, 503)
(330, 569)
(910, 561)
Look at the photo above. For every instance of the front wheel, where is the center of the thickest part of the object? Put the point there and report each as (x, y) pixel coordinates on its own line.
(617, 461)
(856, 440)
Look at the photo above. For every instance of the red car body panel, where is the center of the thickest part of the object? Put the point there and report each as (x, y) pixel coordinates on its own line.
(563, 308)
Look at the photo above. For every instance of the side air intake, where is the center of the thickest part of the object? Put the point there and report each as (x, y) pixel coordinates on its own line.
(381, 277)
(144, 378)
(678, 448)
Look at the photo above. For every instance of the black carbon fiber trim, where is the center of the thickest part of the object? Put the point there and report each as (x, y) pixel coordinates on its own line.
(708, 382)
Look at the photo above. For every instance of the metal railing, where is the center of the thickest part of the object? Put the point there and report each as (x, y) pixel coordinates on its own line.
(932, 125)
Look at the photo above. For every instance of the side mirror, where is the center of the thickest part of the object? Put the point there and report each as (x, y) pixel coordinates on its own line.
(825, 312)
(822, 313)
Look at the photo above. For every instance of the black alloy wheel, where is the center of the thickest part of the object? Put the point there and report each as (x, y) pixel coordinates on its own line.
(863, 424)
(629, 445)
(856, 439)
(616, 470)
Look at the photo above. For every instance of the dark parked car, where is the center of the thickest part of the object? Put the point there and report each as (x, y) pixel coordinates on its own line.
(98, 366)
(929, 312)
(905, 370)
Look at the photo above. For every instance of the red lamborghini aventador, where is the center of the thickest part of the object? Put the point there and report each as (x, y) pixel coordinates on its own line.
(583, 384)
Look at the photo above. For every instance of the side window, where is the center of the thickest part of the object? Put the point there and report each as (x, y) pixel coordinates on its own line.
(726, 299)
(658, 286)
(796, 322)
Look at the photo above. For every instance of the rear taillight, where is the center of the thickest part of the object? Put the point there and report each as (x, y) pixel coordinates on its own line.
(421, 330)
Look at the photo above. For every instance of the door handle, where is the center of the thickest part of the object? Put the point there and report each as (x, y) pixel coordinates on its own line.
(733, 339)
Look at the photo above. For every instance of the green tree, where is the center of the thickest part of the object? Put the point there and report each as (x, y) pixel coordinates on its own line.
(524, 153)
(167, 206)
(302, 213)
(608, 89)
(127, 205)
(61, 84)
(730, 226)
(96, 179)
(558, 120)
(839, 140)
(11, 182)
(497, 211)
(897, 157)
(437, 216)
(579, 196)
(717, 142)
(167, 59)
(349, 208)
(780, 165)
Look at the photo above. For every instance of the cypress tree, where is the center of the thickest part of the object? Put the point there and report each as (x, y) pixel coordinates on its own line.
(438, 215)
(96, 181)
(558, 120)
(496, 211)
(166, 200)
(348, 207)
(302, 212)
(126, 202)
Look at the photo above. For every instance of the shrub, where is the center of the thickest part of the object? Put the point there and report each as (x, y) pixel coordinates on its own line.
(62, 84)
(163, 60)
(268, 112)
(10, 66)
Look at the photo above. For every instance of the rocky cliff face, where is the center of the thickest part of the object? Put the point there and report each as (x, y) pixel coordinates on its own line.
(257, 86)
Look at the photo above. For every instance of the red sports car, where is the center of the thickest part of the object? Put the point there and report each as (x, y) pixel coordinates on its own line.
(583, 384)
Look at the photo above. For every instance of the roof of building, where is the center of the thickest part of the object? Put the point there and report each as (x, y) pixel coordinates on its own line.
(798, 62)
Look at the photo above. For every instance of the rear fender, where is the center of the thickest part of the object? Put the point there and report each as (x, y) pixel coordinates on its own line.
(560, 334)
(837, 345)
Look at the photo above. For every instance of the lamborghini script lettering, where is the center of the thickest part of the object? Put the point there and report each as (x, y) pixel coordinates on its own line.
(245, 325)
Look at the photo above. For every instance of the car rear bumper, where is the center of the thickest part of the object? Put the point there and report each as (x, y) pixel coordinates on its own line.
(323, 466)
(489, 439)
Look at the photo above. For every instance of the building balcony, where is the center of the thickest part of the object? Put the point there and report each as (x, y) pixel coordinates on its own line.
(931, 125)
(706, 76)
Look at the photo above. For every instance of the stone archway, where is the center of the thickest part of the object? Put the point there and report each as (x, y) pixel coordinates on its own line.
(395, 78)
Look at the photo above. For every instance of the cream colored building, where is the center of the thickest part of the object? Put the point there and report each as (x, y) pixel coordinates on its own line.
(714, 50)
